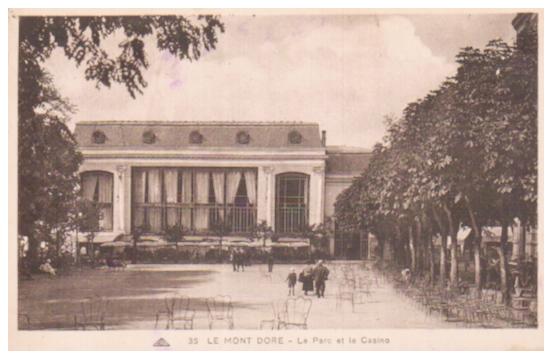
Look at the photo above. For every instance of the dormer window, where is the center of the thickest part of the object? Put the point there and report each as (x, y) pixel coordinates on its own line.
(196, 138)
(149, 137)
(98, 137)
(295, 138)
(243, 138)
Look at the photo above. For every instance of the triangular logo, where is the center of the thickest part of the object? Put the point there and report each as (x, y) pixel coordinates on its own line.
(161, 342)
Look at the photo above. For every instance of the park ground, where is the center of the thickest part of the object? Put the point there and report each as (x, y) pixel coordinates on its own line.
(137, 293)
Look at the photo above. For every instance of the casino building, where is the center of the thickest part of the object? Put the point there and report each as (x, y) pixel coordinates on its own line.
(158, 174)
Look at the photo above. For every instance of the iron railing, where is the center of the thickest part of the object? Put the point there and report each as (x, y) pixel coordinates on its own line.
(291, 219)
(158, 217)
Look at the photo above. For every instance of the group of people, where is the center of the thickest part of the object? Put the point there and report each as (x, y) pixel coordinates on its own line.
(241, 258)
(313, 278)
(238, 257)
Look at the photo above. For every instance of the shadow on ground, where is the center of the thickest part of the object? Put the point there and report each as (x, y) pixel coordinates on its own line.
(134, 296)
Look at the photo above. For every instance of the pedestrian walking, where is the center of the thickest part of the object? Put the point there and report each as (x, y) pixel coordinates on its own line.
(291, 281)
(305, 277)
(241, 260)
(320, 276)
(246, 257)
(234, 260)
(270, 261)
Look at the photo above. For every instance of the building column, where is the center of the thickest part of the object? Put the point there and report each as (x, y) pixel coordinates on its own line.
(266, 193)
(316, 206)
(119, 207)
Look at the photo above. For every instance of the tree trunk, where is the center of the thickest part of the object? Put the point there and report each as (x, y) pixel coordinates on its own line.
(412, 246)
(476, 244)
(58, 244)
(522, 243)
(504, 272)
(477, 264)
(443, 249)
(453, 233)
(32, 254)
(420, 245)
(77, 253)
(431, 260)
(399, 245)
(91, 251)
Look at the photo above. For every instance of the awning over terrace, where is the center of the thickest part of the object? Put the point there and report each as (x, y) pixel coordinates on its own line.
(126, 241)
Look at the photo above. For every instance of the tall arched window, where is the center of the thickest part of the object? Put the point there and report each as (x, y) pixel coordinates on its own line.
(97, 186)
(292, 202)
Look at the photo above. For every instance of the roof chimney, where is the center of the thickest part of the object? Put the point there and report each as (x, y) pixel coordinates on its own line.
(323, 138)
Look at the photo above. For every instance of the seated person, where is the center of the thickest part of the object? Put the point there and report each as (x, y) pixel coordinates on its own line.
(47, 268)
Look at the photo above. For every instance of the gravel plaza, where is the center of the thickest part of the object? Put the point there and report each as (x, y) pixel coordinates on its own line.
(139, 292)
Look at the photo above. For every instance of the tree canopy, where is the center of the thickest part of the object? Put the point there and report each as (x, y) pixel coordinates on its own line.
(466, 153)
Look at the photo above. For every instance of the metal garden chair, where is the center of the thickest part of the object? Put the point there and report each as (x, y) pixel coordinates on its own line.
(220, 309)
(275, 322)
(178, 313)
(92, 315)
(295, 313)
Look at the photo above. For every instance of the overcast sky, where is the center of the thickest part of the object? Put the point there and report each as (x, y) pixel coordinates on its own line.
(344, 72)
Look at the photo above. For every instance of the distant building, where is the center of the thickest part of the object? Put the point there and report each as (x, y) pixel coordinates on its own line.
(195, 174)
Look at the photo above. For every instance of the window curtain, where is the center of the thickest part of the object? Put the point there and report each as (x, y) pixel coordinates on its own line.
(201, 213)
(233, 179)
(305, 192)
(139, 197)
(154, 197)
(186, 198)
(218, 186)
(171, 196)
(89, 181)
(105, 198)
(251, 185)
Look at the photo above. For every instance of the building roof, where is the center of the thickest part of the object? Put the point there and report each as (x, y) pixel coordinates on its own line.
(346, 160)
(182, 135)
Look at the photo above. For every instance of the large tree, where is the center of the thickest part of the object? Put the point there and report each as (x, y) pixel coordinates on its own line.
(48, 156)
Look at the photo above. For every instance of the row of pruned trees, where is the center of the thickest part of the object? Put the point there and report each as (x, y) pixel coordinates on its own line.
(466, 154)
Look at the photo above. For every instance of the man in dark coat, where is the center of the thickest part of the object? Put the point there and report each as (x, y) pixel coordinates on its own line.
(320, 275)
(270, 261)
(240, 259)
(234, 259)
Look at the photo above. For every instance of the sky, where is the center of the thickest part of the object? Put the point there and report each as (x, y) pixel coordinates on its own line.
(345, 72)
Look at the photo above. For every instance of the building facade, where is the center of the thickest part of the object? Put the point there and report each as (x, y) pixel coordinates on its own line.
(155, 175)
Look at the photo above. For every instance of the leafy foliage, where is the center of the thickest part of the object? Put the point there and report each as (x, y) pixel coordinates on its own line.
(82, 40)
(468, 149)
(262, 231)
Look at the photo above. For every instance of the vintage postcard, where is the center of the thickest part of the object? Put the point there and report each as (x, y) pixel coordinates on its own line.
(276, 179)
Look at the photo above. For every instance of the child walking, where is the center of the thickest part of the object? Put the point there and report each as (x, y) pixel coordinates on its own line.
(291, 280)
